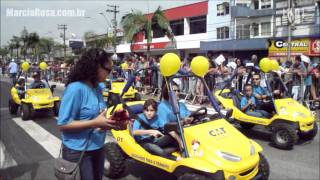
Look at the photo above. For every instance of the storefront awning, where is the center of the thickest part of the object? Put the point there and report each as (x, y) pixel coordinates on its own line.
(235, 45)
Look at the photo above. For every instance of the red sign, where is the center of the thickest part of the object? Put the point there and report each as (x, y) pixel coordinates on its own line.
(315, 47)
(160, 45)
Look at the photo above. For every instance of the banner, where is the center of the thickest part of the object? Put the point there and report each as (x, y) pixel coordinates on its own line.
(306, 46)
(159, 45)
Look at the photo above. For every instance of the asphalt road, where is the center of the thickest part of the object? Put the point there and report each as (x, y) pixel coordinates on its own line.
(27, 149)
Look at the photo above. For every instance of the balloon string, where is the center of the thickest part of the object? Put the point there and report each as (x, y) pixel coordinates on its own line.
(166, 83)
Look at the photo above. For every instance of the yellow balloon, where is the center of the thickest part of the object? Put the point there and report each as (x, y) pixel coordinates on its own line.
(25, 66)
(124, 66)
(169, 64)
(43, 66)
(200, 65)
(274, 65)
(264, 64)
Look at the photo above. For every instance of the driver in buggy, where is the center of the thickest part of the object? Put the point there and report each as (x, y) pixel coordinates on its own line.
(147, 132)
(37, 83)
(20, 88)
(248, 103)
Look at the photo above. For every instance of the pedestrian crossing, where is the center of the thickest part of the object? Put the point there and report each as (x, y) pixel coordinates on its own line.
(48, 141)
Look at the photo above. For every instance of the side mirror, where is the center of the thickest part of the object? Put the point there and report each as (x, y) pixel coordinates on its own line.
(229, 114)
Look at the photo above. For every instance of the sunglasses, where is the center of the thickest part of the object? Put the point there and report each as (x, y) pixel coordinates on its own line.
(106, 68)
(256, 79)
(176, 90)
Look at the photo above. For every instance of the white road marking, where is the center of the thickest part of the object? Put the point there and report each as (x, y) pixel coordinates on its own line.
(48, 141)
(6, 160)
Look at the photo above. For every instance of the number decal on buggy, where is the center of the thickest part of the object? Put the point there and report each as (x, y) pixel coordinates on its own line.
(217, 132)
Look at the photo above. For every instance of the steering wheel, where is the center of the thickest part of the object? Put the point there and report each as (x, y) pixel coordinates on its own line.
(197, 114)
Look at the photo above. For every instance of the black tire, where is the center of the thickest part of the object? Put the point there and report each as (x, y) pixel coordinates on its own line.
(137, 97)
(56, 108)
(26, 111)
(13, 107)
(112, 99)
(114, 161)
(246, 125)
(311, 134)
(192, 176)
(264, 168)
(284, 135)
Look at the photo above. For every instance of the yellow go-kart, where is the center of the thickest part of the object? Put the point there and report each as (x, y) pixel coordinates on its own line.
(290, 121)
(33, 99)
(213, 148)
(113, 88)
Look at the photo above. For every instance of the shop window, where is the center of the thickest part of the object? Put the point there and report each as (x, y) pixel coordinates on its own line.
(177, 27)
(265, 29)
(256, 4)
(255, 29)
(223, 9)
(243, 31)
(265, 4)
(198, 24)
(223, 32)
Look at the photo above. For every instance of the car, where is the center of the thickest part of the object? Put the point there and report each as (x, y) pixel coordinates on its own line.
(33, 99)
(290, 122)
(114, 86)
(214, 149)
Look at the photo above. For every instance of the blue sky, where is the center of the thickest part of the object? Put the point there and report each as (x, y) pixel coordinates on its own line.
(78, 25)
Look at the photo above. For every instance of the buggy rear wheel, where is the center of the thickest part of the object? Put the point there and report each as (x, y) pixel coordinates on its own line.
(137, 97)
(13, 107)
(56, 108)
(112, 99)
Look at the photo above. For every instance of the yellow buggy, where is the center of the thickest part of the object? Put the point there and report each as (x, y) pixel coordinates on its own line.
(213, 148)
(290, 121)
(32, 100)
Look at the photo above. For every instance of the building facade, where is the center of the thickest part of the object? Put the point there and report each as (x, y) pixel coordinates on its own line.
(236, 28)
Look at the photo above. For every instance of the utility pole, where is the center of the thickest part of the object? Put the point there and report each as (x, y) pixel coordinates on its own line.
(114, 11)
(290, 14)
(64, 28)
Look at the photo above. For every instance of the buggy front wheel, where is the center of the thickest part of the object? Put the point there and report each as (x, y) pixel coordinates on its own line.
(114, 165)
(26, 111)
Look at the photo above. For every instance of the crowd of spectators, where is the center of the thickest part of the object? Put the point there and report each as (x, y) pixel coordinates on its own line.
(301, 76)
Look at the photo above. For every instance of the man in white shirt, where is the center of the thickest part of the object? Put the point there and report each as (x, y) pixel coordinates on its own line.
(13, 69)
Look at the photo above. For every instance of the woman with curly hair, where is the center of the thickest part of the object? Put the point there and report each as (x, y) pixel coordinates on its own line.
(82, 112)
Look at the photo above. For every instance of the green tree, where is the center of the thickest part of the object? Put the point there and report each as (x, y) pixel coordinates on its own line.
(24, 38)
(4, 51)
(45, 46)
(15, 43)
(32, 42)
(136, 22)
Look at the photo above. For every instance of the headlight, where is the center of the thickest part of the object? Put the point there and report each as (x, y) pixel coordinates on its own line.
(300, 114)
(252, 150)
(35, 98)
(228, 156)
(283, 110)
(50, 97)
